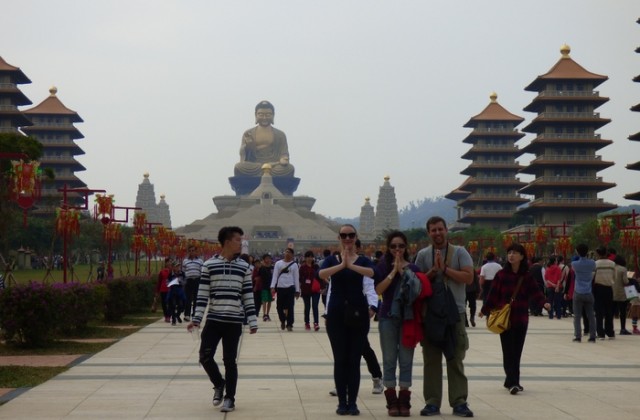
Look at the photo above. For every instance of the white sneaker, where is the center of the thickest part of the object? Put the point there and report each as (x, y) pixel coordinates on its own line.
(333, 392)
(186, 318)
(378, 388)
(227, 406)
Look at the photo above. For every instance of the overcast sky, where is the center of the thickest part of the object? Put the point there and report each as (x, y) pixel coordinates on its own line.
(362, 88)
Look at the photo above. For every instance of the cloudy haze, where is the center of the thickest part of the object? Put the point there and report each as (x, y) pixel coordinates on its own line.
(362, 88)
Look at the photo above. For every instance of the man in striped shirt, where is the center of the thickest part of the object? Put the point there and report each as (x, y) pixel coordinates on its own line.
(192, 268)
(225, 285)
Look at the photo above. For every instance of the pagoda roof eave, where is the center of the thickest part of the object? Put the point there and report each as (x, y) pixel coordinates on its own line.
(20, 77)
(71, 130)
(566, 68)
(493, 112)
(471, 137)
(633, 196)
(53, 106)
(538, 103)
(595, 123)
(537, 144)
(633, 166)
(635, 137)
(635, 108)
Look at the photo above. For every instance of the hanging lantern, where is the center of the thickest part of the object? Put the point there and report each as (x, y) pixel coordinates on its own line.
(473, 247)
(541, 235)
(24, 184)
(530, 249)
(137, 242)
(604, 230)
(112, 232)
(104, 208)
(507, 240)
(67, 222)
(139, 222)
(563, 245)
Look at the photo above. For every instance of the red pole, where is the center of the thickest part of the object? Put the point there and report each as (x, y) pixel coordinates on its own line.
(64, 256)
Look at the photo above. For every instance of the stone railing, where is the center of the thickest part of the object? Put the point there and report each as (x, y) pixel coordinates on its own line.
(569, 115)
(567, 157)
(569, 136)
(569, 93)
(567, 179)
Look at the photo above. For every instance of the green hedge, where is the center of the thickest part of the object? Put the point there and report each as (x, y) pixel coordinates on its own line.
(35, 314)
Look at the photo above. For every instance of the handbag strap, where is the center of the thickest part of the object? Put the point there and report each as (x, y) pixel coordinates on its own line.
(515, 292)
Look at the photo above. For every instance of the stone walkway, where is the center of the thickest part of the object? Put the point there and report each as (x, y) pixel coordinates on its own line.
(154, 374)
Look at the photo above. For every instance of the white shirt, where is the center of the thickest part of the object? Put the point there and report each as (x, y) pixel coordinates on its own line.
(284, 280)
(489, 270)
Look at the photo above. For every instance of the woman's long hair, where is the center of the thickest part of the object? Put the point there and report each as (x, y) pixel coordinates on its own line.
(388, 257)
(524, 265)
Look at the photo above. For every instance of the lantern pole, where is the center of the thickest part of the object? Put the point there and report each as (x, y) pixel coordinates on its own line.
(125, 220)
(66, 206)
(150, 226)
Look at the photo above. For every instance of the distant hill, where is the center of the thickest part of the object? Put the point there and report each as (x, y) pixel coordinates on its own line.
(415, 214)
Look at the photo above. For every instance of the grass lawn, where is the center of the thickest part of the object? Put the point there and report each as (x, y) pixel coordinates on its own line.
(81, 272)
(24, 376)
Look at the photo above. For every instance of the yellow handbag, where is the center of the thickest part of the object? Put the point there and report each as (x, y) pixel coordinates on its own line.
(499, 320)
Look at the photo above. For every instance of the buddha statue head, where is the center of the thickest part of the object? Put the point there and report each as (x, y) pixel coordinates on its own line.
(264, 113)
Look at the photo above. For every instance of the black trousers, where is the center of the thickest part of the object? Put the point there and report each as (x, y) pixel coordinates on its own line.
(230, 334)
(369, 356)
(603, 305)
(621, 307)
(347, 345)
(191, 293)
(512, 342)
(284, 304)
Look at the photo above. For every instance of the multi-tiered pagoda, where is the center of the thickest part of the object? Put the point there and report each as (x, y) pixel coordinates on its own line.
(367, 220)
(489, 198)
(566, 185)
(53, 127)
(387, 217)
(635, 137)
(11, 98)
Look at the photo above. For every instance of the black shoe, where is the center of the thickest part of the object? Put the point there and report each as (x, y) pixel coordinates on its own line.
(513, 390)
(289, 328)
(624, 332)
(473, 322)
(592, 340)
(282, 326)
(342, 410)
(179, 320)
(227, 406)
(520, 388)
(577, 340)
(430, 410)
(218, 393)
(353, 410)
(462, 410)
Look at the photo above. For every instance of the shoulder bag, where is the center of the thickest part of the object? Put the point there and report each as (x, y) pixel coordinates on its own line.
(499, 320)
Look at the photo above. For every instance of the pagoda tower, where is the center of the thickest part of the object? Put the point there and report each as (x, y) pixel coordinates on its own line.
(565, 166)
(367, 220)
(164, 215)
(489, 197)
(635, 137)
(146, 199)
(11, 98)
(386, 210)
(53, 127)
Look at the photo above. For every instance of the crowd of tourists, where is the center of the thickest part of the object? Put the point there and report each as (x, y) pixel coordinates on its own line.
(420, 300)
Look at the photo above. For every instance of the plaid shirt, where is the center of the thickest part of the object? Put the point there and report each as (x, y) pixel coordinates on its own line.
(502, 288)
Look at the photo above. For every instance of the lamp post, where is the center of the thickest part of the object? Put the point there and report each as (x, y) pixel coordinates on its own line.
(65, 206)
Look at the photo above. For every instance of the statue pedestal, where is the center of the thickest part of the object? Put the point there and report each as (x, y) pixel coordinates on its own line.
(245, 185)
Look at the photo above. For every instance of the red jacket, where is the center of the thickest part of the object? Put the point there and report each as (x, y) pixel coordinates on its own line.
(412, 328)
(163, 276)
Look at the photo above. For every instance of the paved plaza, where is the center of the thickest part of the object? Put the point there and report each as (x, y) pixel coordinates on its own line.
(154, 374)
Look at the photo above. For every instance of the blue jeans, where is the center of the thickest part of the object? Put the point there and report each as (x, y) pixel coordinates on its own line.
(394, 353)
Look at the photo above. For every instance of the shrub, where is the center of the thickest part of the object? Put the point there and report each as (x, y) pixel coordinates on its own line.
(79, 303)
(29, 314)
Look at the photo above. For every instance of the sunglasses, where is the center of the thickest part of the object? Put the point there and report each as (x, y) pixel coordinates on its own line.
(350, 235)
(397, 246)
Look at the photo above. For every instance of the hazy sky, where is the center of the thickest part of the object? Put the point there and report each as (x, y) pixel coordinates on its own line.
(362, 88)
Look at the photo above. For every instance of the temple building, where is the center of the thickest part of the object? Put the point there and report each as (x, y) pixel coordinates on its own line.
(11, 98)
(146, 200)
(53, 127)
(488, 198)
(271, 220)
(566, 185)
(367, 220)
(635, 137)
(387, 217)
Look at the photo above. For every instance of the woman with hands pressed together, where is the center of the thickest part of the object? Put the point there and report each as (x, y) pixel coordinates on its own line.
(347, 339)
(391, 318)
(502, 290)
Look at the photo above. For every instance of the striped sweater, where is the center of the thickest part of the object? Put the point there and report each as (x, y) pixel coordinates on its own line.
(226, 286)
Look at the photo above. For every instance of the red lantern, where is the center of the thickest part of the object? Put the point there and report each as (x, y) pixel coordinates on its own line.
(24, 184)
(139, 222)
(104, 208)
(112, 232)
(604, 230)
(563, 245)
(67, 222)
(530, 249)
(473, 247)
(507, 240)
(541, 235)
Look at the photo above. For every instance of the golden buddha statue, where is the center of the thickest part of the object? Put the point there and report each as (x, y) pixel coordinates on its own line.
(264, 144)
